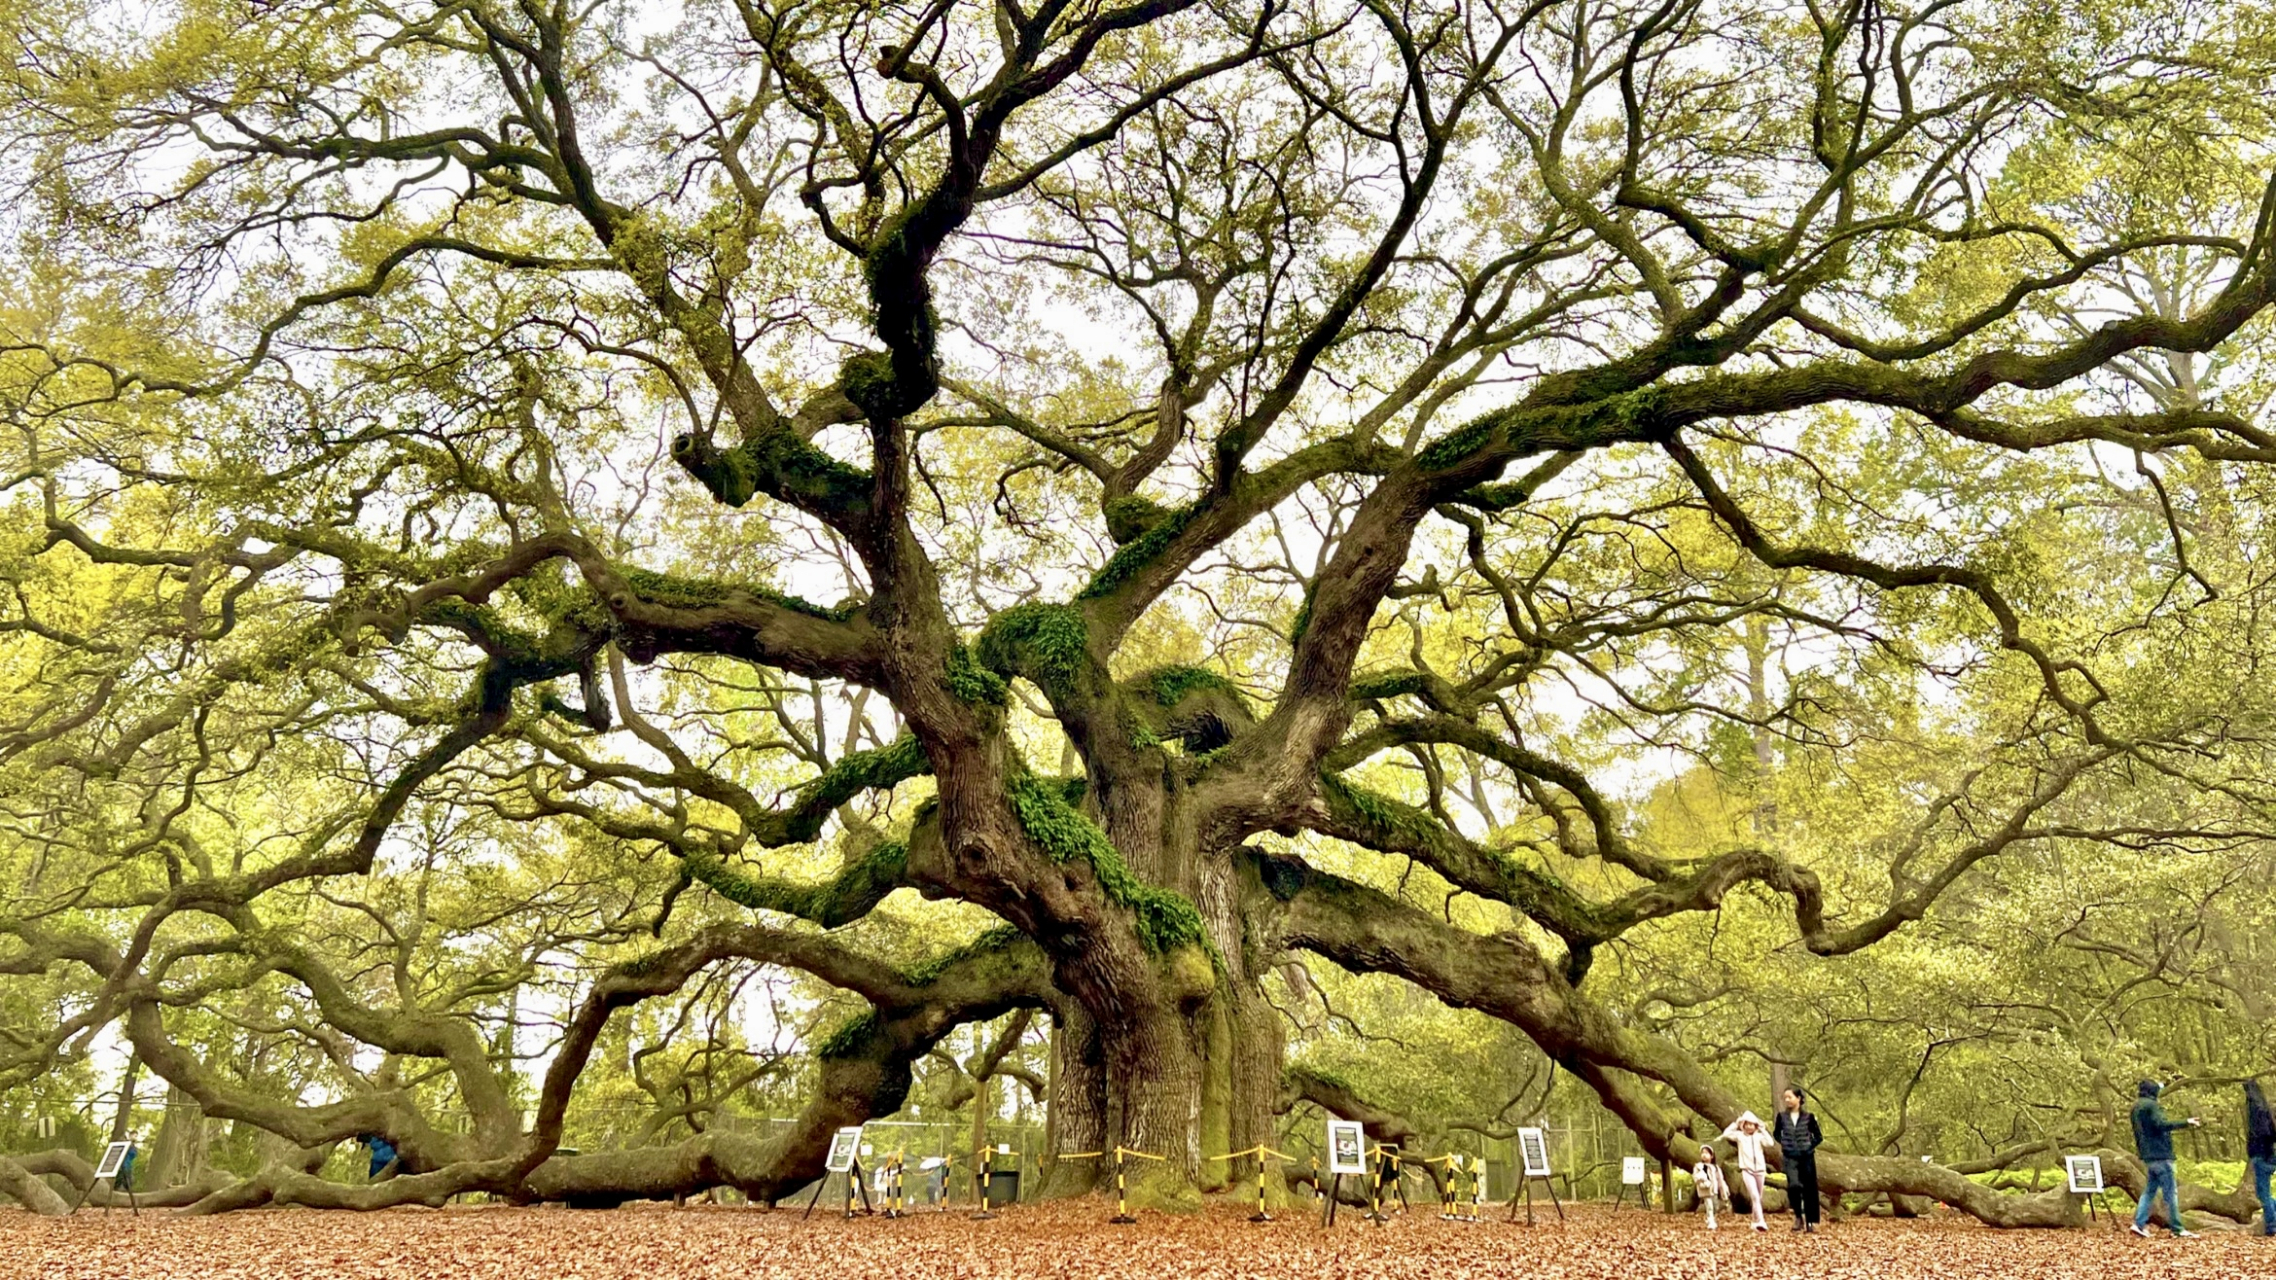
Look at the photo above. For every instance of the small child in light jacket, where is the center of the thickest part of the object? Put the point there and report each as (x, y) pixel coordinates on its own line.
(1707, 1179)
(1752, 1141)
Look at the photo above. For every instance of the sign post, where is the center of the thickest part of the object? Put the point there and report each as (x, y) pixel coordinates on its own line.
(1347, 1154)
(2083, 1175)
(116, 1168)
(1632, 1175)
(1533, 1165)
(843, 1159)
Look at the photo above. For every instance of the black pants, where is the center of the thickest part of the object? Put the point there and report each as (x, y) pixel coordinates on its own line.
(1802, 1186)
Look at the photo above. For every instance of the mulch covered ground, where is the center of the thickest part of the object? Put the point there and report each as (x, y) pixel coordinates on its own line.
(1070, 1240)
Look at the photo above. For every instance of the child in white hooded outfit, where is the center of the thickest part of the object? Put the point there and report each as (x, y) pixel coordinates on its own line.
(1752, 1141)
(1707, 1179)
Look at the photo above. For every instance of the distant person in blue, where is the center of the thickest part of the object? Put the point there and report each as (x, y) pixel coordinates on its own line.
(2260, 1148)
(2153, 1141)
(383, 1157)
(124, 1179)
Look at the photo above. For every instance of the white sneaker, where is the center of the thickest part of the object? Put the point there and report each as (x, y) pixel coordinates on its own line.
(2184, 1233)
(2140, 1230)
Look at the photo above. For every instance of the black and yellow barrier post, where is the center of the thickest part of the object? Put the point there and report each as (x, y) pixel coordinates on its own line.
(1264, 1153)
(1122, 1213)
(1386, 1159)
(1477, 1190)
(1453, 1165)
(983, 1166)
(893, 1186)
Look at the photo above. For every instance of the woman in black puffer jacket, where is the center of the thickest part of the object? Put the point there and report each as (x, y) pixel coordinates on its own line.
(1798, 1140)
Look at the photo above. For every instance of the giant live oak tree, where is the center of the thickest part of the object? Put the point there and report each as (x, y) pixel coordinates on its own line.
(1440, 368)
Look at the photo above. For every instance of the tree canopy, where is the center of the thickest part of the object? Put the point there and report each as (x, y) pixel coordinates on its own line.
(1131, 541)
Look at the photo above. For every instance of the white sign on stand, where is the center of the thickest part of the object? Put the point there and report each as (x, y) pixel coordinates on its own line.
(114, 1155)
(1347, 1147)
(108, 1170)
(843, 1144)
(1533, 1166)
(1632, 1171)
(1533, 1145)
(2084, 1174)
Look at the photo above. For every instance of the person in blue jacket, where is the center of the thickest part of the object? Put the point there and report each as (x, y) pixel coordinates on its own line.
(2260, 1148)
(2153, 1141)
(383, 1157)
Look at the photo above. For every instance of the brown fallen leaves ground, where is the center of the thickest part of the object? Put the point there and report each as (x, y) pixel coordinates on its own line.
(1070, 1240)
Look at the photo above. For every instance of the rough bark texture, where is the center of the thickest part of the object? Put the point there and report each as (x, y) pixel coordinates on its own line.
(29, 1191)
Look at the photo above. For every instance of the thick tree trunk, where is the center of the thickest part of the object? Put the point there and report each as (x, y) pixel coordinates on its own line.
(1255, 1066)
(1241, 1032)
(1154, 1073)
(172, 1152)
(124, 1119)
(1077, 1123)
(983, 1110)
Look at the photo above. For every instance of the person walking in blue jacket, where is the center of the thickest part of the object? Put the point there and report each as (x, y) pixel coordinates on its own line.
(2260, 1147)
(2153, 1141)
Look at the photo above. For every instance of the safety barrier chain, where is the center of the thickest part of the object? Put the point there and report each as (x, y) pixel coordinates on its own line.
(1263, 1153)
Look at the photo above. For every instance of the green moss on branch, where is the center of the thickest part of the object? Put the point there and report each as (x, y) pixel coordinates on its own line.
(878, 770)
(1047, 643)
(990, 942)
(777, 462)
(675, 591)
(1165, 920)
(1168, 686)
(1130, 516)
(1389, 823)
(1139, 552)
(859, 886)
(1387, 684)
(853, 1037)
(973, 683)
